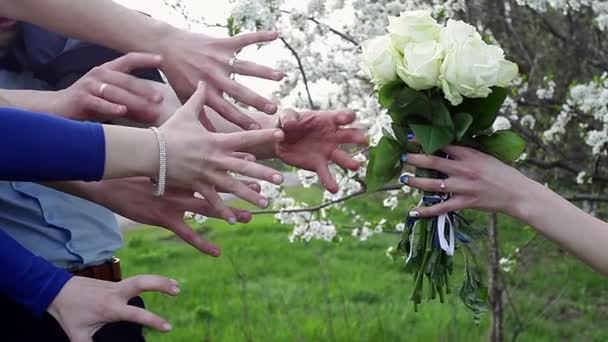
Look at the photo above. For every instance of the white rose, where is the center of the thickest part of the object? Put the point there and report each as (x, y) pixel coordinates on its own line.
(379, 60)
(413, 27)
(421, 65)
(457, 32)
(470, 69)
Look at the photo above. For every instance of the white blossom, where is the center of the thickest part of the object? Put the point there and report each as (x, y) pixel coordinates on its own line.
(528, 121)
(307, 178)
(546, 92)
(506, 264)
(581, 177)
(200, 219)
(391, 202)
(501, 124)
(389, 252)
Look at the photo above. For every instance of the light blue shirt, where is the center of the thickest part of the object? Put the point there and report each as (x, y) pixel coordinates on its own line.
(66, 230)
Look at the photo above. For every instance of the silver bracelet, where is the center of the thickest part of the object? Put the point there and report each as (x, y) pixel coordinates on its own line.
(160, 184)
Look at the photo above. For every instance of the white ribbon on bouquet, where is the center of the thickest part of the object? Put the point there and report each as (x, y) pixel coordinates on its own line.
(442, 221)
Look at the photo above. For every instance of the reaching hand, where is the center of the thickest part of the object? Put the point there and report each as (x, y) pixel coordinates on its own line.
(83, 306)
(191, 57)
(109, 92)
(198, 160)
(312, 139)
(132, 198)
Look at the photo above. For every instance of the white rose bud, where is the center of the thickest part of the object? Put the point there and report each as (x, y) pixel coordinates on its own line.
(413, 27)
(421, 65)
(470, 69)
(379, 60)
(457, 32)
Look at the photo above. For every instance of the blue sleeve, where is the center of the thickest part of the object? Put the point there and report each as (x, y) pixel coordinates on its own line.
(28, 279)
(40, 147)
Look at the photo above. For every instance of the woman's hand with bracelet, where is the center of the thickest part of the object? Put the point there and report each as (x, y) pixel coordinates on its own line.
(200, 160)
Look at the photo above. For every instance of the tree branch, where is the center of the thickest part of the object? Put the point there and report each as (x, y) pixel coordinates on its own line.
(327, 204)
(587, 198)
(331, 29)
(561, 164)
(302, 71)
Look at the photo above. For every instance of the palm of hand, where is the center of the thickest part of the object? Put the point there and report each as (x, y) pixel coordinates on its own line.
(312, 140)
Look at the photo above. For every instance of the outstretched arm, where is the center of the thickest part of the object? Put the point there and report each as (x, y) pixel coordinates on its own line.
(312, 139)
(187, 57)
(480, 181)
(75, 302)
(106, 92)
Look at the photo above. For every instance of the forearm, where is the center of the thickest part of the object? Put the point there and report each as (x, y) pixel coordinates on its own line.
(102, 21)
(84, 190)
(40, 147)
(265, 120)
(31, 100)
(130, 152)
(559, 220)
(27, 279)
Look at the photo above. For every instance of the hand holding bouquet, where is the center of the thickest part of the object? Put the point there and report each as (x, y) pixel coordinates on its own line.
(443, 85)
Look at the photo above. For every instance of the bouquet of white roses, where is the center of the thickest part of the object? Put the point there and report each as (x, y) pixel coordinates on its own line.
(444, 85)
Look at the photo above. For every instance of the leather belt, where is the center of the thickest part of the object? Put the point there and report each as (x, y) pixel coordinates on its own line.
(108, 271)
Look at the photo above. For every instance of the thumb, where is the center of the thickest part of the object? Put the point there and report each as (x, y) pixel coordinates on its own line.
(194, 106)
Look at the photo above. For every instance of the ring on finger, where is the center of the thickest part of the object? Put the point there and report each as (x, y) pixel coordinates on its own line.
(443, 186)
(102, 88)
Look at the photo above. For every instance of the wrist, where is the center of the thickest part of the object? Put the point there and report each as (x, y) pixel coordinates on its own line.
(165, 36)
(55, 308)
(130, 152)
(150, 161)
(159, 36)
(58, 103)
(525, 198)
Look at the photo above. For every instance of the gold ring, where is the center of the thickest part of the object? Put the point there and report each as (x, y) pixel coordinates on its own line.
(102, 88)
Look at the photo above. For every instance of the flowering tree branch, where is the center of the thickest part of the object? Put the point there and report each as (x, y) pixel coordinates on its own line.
(331, 29)
(327, 204)
(302, 71)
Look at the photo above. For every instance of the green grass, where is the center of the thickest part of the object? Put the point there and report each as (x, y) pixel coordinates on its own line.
(265, 289)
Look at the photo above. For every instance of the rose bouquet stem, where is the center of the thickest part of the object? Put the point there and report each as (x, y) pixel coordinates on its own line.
(435, 261)
(416, 296)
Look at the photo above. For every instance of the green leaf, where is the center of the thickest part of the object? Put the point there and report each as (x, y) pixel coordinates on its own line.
(409, 103)
(400, 133)
(484, 110)
(440, 115)
(504, 145)
(473, 292)
(384, 164)
(432, 138)
(388, 93)
(462, 122)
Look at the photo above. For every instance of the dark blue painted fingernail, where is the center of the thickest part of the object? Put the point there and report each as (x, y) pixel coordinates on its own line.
(411, 136)
(403, 158)
(404, 179)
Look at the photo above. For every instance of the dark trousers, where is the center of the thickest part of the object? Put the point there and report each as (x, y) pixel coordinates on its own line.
(19, 325)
